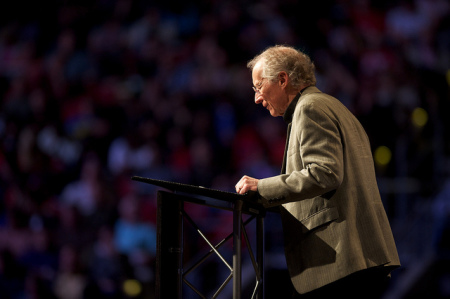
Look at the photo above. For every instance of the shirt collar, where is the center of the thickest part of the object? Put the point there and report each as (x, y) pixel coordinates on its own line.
(287, 116)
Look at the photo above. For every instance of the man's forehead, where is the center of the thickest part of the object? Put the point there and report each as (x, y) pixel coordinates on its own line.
(258, 67)
(257, 72)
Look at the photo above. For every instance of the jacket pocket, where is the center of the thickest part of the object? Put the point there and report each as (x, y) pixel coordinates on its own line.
(321, 217)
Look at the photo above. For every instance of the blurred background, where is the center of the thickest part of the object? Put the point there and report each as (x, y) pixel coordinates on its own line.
(93, 92)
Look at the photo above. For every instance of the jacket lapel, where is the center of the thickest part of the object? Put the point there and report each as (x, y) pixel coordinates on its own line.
(283, 167)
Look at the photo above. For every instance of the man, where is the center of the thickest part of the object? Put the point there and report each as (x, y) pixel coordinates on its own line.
(338, 240)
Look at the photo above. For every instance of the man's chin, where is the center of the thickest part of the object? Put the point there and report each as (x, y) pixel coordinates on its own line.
(273, 113)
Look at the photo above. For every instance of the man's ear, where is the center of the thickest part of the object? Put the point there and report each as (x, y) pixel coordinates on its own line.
(283, 79)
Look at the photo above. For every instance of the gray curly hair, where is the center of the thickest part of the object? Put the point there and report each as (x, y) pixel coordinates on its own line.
(295, 63)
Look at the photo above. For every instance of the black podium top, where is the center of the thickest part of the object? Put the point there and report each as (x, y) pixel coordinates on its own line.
(199, 190)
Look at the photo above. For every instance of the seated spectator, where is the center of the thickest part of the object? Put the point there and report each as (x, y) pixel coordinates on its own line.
(135, 239)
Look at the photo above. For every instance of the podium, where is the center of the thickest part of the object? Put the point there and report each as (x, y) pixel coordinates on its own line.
(171, 274)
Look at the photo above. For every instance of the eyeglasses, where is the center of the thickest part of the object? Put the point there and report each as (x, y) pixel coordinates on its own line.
(258, 88)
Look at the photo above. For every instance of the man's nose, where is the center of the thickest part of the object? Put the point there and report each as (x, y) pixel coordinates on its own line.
(258, 99)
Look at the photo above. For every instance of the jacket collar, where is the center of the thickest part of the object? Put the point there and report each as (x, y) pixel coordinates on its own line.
(287, 116)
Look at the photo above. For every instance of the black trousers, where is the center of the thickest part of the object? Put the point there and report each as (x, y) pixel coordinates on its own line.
(368, 284)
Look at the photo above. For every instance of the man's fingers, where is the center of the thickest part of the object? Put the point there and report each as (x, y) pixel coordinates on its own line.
(240, 185)
(246, 184)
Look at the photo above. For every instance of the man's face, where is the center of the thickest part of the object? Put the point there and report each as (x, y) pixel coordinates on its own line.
(271, 95)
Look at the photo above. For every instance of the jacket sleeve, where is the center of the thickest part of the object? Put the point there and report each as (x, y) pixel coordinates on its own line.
(314, 158)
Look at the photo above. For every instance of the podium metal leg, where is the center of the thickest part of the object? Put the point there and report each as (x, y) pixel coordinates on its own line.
(237, 250)
(260, 253)
(169, 255)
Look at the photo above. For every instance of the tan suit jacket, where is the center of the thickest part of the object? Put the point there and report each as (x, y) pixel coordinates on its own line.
(333, 218)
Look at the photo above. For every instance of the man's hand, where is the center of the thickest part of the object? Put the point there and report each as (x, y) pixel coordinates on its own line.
(246, 184)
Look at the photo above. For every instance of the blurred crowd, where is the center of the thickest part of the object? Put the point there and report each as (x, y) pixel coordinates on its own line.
(94, 92)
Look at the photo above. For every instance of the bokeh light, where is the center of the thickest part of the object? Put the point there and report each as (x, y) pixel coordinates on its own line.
(383, 155)
(132, 287)
(419, 117)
